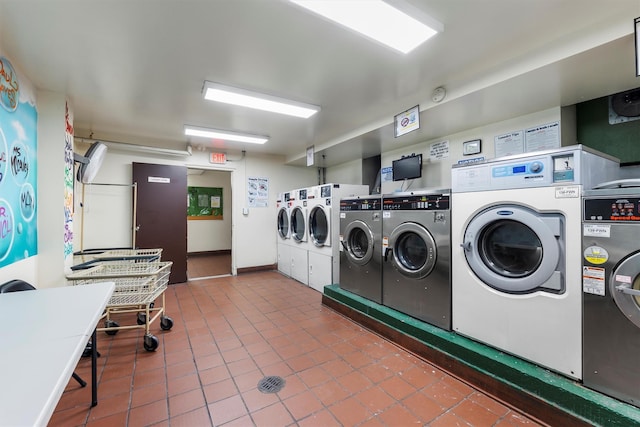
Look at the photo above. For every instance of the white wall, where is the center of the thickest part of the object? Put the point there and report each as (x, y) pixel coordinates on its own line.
(108, 209)
(211, 235)
(437, 173)
(51, 190)
(345, 173)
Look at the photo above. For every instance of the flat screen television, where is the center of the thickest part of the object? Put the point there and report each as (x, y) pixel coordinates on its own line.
(407, 168)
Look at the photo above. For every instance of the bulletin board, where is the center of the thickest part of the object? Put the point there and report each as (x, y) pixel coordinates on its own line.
(204, 203)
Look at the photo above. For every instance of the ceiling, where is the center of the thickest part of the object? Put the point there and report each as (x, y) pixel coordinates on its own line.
(133, 71)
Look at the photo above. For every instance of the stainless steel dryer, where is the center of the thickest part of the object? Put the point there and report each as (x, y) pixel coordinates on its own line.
(361, 246)
(416, 235)
(611, 292)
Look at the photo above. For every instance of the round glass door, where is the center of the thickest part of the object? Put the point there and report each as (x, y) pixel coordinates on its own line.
(358, 242)
(510, 248)
(297, 225)
(318, 226)
(625, 288)
(283, 224)
(516, 249)
(414, 250)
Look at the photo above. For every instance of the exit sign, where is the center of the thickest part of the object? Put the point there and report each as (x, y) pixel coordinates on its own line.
(218, 158)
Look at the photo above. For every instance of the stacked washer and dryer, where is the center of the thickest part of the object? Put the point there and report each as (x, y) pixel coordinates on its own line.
(324, 231)
(611, 286)
(299, 236)
(311, 253)
(516, 252)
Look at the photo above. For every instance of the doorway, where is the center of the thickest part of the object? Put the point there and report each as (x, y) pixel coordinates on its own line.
(209, 236)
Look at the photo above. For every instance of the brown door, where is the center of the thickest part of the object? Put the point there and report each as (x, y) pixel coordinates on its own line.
(161, 213)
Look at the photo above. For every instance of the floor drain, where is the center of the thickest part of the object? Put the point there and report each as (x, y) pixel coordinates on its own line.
(271, 384)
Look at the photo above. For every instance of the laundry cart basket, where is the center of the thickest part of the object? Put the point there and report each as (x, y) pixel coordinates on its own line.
(91, 257)
(137, 286)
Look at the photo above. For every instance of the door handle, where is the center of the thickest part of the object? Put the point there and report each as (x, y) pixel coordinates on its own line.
(137, 228)
(386, 253)
(466, 246)
(344, 245)
(626, 289)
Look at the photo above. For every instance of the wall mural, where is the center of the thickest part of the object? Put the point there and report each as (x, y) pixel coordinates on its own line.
(18, 168)
(68, 183)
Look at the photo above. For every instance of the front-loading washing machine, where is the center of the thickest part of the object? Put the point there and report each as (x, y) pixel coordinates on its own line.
(323, 231)
(361, 246)
(283, 222)
(516, 245)
(611, 286)
(299, 236)
(416, 230)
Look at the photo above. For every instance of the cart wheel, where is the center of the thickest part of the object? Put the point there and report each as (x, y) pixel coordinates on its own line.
(142, 318)
(166, 323)
(111, 324)
(150, 342)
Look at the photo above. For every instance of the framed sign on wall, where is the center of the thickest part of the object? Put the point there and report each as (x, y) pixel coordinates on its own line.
(204, 203)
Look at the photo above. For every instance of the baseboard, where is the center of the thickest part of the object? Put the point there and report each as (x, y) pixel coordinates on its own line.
(257, 268)
(205, 253)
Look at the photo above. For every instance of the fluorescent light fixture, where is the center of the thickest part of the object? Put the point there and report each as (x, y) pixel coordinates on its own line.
(378, 20)
(224, 134)
(246, 98)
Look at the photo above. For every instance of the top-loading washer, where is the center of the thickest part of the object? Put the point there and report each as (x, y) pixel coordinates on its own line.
(361, 246)
(416, 230)
(283, 222)
(516, 245)
(299, 236)
(323, 231)
(611, 286)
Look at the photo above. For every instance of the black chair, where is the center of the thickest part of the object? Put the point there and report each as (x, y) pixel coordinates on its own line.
(18, 285)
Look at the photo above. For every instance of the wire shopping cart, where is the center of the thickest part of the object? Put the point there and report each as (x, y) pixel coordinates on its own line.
(137, 286)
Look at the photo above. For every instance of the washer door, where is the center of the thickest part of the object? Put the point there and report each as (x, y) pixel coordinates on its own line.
(414, 250)
(298, 228)
(319, 226)
(625, 288)
(358, 242)
(283, 223)
(516, 250)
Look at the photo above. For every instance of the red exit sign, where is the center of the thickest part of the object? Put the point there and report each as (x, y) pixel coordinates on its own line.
(218, 158)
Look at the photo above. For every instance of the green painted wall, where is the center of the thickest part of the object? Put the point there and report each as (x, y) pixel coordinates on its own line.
(621, 140)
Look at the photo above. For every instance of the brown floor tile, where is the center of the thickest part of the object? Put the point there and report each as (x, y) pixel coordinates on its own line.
(186, 402)
(227, 409)
(350, 412)
(274, 415)
(231, 332)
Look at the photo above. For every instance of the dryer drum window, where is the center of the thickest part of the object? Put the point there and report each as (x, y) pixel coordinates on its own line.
(411, 251)
(510, 248)
(297, 224)
(318, 226)
(283, 223)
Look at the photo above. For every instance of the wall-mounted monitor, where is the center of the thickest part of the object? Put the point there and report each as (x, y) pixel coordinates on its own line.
(409, 167)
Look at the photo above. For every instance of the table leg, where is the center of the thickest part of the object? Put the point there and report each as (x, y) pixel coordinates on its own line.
(94, 369)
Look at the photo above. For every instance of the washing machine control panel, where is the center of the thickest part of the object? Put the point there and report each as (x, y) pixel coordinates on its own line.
(430, 202)
(360, 204)
(616, 209)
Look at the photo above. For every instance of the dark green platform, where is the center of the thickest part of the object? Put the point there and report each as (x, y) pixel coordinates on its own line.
(552, 398)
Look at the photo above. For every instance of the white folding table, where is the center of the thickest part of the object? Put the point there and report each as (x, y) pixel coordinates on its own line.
(43, 334)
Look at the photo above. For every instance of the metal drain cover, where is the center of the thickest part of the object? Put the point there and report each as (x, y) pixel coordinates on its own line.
(271, 384)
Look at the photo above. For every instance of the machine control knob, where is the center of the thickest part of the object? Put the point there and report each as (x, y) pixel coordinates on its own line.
(536, 167)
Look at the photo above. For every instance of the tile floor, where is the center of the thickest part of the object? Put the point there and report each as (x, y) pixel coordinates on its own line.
(231, 332)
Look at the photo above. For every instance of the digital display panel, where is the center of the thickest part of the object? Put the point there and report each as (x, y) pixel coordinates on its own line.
(519, 169)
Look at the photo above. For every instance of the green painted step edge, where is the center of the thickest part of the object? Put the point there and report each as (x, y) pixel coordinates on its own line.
(559, 391)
